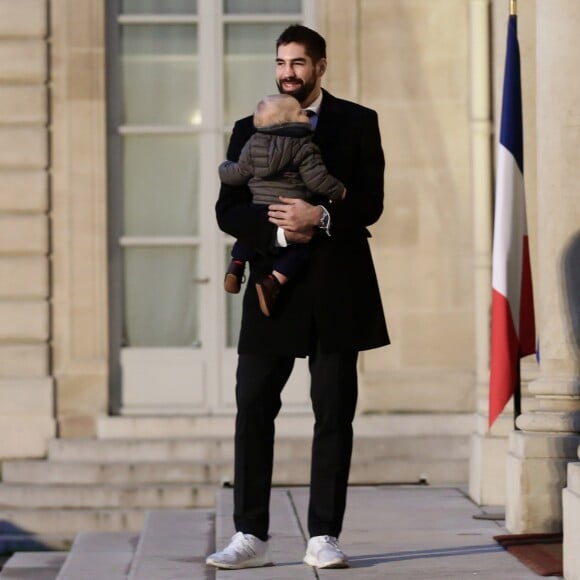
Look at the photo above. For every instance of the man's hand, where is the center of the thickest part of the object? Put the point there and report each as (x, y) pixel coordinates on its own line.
(295, 216)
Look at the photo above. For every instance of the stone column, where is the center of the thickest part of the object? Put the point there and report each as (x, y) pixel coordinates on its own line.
(571, 508)
(79, 206)
(486, 465)
(550, 434)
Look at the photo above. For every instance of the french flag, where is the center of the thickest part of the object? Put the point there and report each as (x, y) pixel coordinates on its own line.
(512, 311)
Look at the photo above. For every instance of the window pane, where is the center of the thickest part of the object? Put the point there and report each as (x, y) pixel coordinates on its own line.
(159, 7)
(233, 308)
(160, 74)
(161, 177)
(261, 7)
(161, 298)
(250, 54)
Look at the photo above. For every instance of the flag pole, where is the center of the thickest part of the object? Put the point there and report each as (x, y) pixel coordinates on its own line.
(517, 395)
(511, 337)
(518, 385)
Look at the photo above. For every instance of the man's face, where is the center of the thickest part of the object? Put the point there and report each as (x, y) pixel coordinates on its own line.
(296, 74)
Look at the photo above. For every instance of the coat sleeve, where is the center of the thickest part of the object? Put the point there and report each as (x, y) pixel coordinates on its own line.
(363, 204)
(235, 213)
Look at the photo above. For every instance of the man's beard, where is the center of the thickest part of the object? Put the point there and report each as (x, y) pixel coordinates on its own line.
(302, 92)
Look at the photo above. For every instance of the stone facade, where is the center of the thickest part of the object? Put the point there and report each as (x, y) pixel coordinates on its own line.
(26, 383)
(414, 62)
(409, 61)
(422, 246)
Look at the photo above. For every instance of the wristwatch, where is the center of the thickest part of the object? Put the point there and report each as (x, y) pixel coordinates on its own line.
(324, 220)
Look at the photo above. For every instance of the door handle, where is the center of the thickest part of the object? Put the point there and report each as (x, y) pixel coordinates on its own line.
(200, 280)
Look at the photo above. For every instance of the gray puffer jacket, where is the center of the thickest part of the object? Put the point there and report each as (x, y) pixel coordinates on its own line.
(282, 160)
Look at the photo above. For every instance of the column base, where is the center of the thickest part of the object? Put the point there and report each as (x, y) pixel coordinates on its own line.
(487, 458)
(571, 505)
(536, 476)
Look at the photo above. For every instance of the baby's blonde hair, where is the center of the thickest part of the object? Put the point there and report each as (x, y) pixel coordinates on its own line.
(276, 109)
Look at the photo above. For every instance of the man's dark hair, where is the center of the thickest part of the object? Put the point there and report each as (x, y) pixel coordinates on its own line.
(314, 44)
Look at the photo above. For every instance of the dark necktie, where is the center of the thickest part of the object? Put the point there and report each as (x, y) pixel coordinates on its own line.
(313, 117)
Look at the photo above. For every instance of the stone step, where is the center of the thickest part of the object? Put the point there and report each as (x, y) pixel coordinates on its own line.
(379, 471)
(63, 472)
(141, 450)
(411, 471)
(70, 521)
(99, 556)
(33, 566)
(106, 496)
(290, 472)
(174, 545)
(221, 449)
(287, 424)
(64, 509)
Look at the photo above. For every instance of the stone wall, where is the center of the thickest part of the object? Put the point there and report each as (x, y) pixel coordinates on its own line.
(409, 60)
(53, 264)
(26, 399)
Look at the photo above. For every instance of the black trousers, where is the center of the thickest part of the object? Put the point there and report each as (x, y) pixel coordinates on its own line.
(290, 261)
(333, 391)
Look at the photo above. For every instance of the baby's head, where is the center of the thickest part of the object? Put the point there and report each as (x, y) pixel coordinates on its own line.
(277, 109)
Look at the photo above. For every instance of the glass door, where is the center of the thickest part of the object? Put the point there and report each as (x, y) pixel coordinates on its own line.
(180, 73)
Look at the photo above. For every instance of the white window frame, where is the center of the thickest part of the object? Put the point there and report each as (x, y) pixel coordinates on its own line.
(220, 364)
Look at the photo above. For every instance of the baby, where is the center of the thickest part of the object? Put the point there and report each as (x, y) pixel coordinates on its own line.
(280, 159)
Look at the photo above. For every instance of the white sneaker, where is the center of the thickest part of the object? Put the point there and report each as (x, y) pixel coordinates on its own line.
(243, 551)
(323, 552)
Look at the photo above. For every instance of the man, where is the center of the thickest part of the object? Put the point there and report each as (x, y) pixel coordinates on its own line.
(329, 314)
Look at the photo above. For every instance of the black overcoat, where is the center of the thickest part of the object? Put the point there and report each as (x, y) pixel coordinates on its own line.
(336, 300)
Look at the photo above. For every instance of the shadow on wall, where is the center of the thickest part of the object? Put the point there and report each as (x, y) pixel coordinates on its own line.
(571, 281)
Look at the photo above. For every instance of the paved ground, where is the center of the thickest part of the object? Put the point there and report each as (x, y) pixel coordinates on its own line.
(390, 532)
